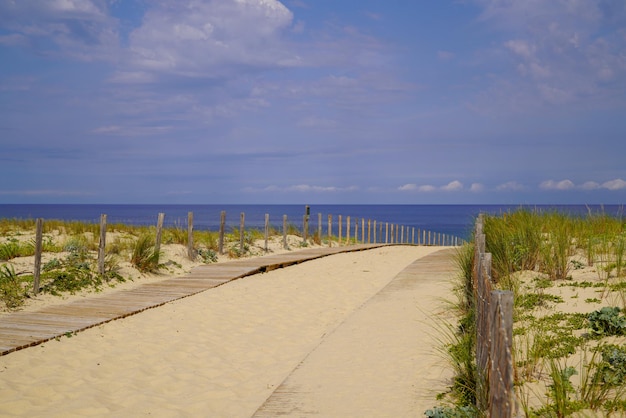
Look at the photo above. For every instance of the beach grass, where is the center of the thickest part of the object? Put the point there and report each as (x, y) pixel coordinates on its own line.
(562, 325)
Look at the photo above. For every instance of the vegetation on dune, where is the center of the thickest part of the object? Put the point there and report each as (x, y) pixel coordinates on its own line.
(74, 266)
(565, 363)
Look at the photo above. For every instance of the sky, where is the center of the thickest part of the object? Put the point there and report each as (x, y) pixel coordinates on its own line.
(313, 101)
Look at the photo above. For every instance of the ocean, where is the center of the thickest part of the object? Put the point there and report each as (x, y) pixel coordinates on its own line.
(453, 220)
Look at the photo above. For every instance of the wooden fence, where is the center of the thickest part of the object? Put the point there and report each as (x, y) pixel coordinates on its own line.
(494, 337)
(365, 231)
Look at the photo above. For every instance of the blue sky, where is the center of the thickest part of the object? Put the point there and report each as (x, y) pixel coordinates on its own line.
(313, 101)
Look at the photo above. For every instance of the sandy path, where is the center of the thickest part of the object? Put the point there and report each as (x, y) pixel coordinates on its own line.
(220, 353)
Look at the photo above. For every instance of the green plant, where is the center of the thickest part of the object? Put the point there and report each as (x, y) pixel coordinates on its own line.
(607, 321)
(145, 257)
(207, 255)
(561, 389)
(11, 290)
(448, 412)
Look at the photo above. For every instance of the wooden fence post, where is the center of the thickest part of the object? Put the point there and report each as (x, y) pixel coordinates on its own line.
(369, 231)
(220, 244)
(347, 230)
(242, 222)
(159, 232)
(305, 224)
(267, 230)
(340, 225)
(362, 230)
(102, 244)
(356, 230)
(319, 226)
(38, 251)
(330, 230)
(501, 399)
(285, 246)
(190, 252)
(374, 239)
(386, 232)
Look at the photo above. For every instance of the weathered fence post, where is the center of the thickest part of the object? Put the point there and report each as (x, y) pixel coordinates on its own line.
(102, 244)
(347, 230)
(340, 225)
(362, 230)
(159, 232)
(242, 222)
(374, 239)
(38, 251)
(285, 246)
(386, 232)
(267, 230)
(305, 224)
(319, 226)
(356, 230)
(220, 244)
(501, 399)
(369, 231)
(190, 252)
(330, 230)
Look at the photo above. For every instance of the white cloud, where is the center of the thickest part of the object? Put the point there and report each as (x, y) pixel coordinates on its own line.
(453, 186)
(206, 38)
(521, 48)
(510, 186)
(477, 187)
(557, 185)
(564, 50)
(408, 187)
(81, 29)
(590, 185)
(617, 184)
(302, 188)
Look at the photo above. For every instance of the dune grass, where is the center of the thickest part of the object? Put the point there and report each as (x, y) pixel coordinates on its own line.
(566, 364)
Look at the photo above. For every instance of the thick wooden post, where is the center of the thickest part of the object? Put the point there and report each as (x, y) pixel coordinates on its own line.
(285, 246)
(267, 230)
(220, 244)
(369, 231)
(386, 232)
(347, 230)
(159, 232)
(102, 244)
(38, 251)
(356, 230)
(242, 222)
(501, 399)
(190, 252)
(305, 224)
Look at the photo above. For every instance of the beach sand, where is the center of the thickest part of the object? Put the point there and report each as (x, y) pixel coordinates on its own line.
(223, 352)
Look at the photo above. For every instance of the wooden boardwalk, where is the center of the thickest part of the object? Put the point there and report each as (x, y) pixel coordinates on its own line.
(20, 330)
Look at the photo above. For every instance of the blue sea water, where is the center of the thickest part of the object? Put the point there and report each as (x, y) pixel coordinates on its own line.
(454, 220)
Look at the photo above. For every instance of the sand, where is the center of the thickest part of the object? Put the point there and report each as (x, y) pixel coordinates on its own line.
(222, 353)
